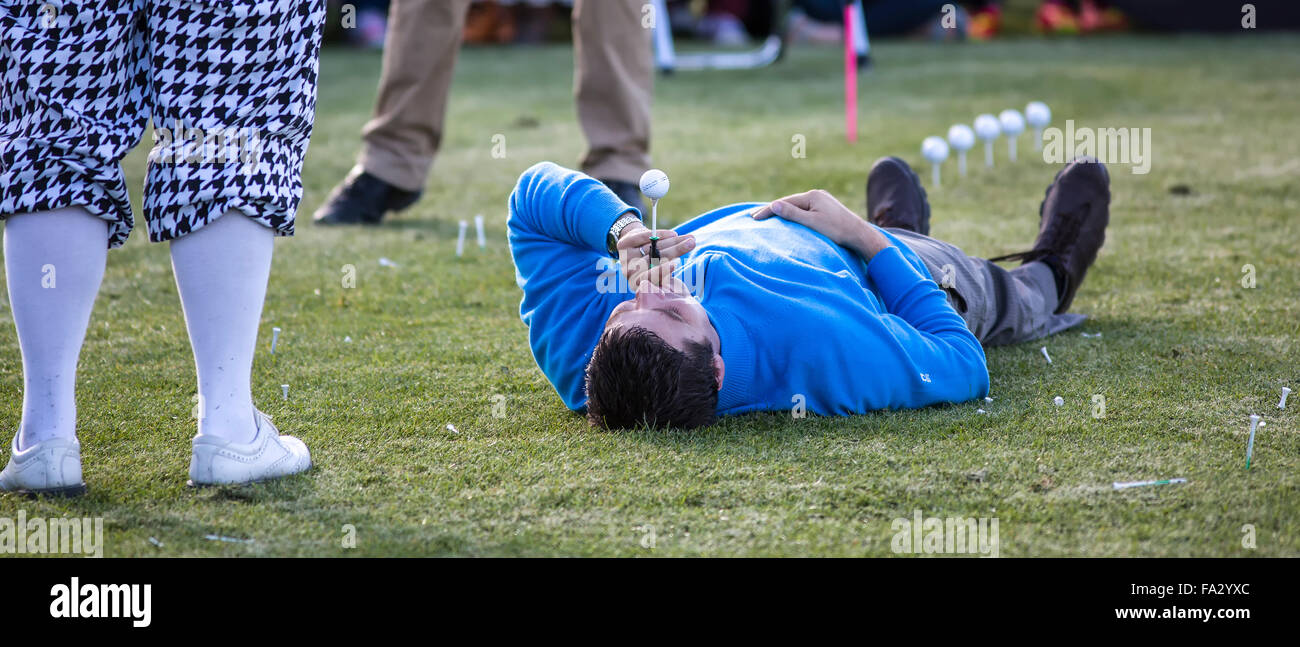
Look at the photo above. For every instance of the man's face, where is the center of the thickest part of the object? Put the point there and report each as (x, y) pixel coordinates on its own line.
(669, 312)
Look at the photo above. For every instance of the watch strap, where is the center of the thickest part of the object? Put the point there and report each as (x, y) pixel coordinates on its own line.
(611, 242)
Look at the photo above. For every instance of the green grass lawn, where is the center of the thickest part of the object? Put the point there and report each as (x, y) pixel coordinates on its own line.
(1186, 352)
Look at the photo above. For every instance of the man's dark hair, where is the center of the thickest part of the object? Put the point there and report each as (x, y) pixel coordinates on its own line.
(635, 378)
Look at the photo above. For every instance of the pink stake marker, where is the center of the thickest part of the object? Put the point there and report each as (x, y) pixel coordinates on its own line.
(850, 77)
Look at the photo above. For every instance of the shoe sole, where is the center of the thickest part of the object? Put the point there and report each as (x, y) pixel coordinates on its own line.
(391, 206)
(68, 492)
(1105, 174)
(1084, 162)
(402, 204)
(910, 173)
(202, 486)
(353, 223)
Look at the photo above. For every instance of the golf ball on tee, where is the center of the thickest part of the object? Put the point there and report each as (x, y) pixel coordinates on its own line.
(654, 184)
(987, 127)
(1012, 123)
(961, 137)
(934, 149)
(1038, 114)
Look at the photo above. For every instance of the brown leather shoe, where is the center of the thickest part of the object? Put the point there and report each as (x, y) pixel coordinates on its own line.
(1072, 224)
(895, 197)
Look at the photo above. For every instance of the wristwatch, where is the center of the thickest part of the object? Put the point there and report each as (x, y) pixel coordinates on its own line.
(611, 239)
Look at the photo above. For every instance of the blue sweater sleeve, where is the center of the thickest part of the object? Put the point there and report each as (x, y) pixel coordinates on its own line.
(557, 226)
(931, 331)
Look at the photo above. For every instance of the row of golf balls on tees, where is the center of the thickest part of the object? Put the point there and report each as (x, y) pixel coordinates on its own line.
(988, 128)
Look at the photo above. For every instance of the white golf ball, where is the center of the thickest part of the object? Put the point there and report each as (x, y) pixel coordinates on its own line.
(1012, 123)
(1058, 401)
(1038, 114)
(654, 184)
(961, 137)
(987, 127)
(934, 149)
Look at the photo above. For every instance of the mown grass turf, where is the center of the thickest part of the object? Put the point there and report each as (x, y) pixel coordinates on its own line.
(1186, 353)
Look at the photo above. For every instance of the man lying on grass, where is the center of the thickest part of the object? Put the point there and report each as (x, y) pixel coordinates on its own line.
(751, 306)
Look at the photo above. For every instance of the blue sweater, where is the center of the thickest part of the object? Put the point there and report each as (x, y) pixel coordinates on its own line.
(797, 315)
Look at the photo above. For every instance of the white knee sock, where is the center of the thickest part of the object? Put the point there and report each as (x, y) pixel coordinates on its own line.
(221, 273)
(54, 263)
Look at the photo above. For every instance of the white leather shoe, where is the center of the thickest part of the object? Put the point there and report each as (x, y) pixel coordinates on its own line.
(52, 468)
(269, 456)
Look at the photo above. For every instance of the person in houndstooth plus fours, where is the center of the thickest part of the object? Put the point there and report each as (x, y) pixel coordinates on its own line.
(231, 90)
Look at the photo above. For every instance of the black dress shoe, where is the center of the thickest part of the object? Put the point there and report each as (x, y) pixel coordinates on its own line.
(1072, 225)
(895, 197)
(363, 199)
(628, 192)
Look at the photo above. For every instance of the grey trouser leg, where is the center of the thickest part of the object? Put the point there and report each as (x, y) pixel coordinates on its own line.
(1000, 306)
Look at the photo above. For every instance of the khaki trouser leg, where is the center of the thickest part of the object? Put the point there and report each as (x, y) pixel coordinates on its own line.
(401, 139)
(999, 306)
(614, 84)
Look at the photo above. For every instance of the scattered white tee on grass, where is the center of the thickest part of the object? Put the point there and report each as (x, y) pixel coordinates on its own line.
(1250, 444)
(1120, 485)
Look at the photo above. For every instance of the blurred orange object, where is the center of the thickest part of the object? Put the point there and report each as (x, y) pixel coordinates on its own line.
(489, 22)
(1056, 18)
(985, 23)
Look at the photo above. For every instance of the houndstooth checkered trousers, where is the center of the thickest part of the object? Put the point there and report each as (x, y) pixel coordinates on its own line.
(230, 86)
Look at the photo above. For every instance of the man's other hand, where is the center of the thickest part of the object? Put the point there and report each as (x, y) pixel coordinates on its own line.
(822, 213)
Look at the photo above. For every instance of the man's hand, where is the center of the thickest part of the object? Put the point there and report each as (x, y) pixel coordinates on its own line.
(634, 253)
(822, 213)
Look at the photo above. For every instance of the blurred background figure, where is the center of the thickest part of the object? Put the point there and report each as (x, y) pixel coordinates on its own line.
(740, 22)
(613, 79)
(724, 23)
(512, 21)
(985, 19)
(991, 18)
(727, 23)
(815, 21)
(1078, 17)
(371, 24)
